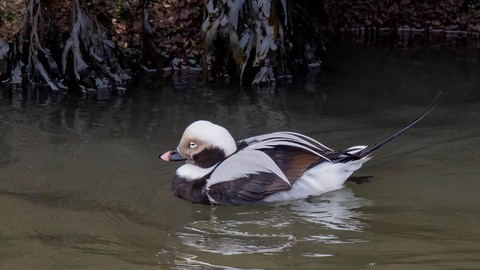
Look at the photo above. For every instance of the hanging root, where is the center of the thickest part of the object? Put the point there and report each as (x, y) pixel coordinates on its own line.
(149, 50)
(89, 57)
(261, 36)
(245, 26)
(94, 61)
(33, 22)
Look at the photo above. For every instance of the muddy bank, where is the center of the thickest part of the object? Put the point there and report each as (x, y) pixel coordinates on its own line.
(448, 15)
(100, 45)
(177, 23)
(97, 46)
(11, 18)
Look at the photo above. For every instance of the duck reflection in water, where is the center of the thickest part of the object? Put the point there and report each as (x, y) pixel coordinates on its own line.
(271, 229)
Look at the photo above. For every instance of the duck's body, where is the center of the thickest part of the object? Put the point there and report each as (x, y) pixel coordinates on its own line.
(272, 167)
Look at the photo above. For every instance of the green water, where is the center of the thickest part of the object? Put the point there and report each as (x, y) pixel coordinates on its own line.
(81, 185)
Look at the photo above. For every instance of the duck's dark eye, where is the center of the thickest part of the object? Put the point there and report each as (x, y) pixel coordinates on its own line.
(193, 145)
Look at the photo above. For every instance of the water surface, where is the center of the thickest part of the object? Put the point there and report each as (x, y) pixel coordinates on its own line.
(81, 185)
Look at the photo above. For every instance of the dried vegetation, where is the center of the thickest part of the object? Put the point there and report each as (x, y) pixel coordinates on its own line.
(252, 39)
(95, 46)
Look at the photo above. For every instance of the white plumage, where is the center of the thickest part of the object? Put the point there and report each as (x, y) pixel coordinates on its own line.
(243, 164)
(320, 179)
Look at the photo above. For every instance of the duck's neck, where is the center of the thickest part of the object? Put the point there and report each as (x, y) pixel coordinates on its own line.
(193, 172)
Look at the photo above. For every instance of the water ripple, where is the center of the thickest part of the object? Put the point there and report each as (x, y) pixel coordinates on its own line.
(273, 229)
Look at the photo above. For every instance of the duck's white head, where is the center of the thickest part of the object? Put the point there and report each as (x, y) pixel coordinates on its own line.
(203, 144)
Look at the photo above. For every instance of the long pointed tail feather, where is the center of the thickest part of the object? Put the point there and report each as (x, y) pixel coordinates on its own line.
(372, 148)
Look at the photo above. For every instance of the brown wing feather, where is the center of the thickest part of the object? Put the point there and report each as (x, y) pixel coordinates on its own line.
(293, 161)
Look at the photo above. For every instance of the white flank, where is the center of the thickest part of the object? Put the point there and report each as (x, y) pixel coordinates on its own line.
(242, 164)
(192, 172)
(213, 134)
(322, 178)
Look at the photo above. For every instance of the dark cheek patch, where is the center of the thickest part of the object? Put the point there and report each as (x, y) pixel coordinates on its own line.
(208, 157)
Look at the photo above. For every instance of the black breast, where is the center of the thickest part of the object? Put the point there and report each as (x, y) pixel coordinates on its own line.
(193, 191)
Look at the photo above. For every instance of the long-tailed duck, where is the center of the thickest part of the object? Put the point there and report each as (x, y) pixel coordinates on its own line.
(278, 166)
